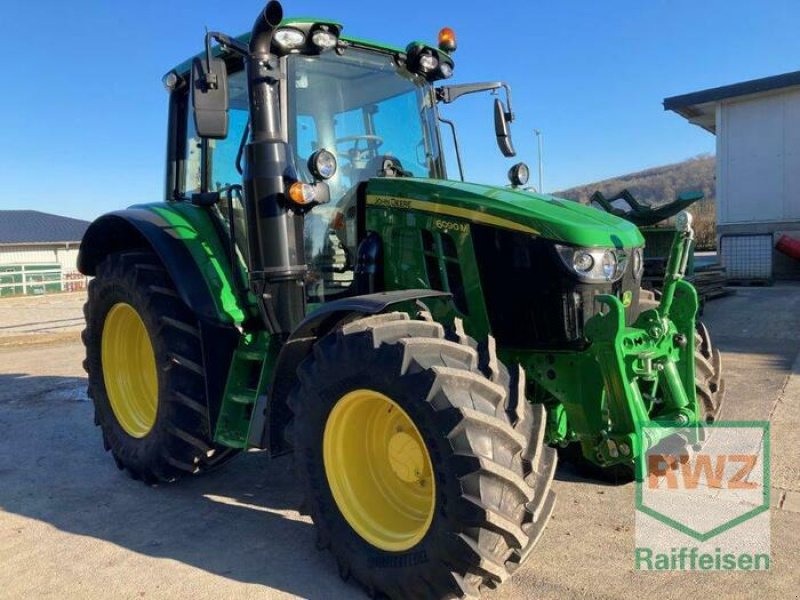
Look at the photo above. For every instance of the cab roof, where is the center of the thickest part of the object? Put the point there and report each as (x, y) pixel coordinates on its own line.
(186, 65)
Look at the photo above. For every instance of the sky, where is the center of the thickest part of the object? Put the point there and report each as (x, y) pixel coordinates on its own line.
(83, 111)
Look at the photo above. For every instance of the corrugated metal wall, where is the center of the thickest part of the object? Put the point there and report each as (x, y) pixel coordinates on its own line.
(67, 257)
(758, 159)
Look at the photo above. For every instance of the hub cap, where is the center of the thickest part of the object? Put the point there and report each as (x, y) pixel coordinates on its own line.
(379, 470)
(129, 370)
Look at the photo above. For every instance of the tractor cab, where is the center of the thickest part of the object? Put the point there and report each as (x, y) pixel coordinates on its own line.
(349, 111)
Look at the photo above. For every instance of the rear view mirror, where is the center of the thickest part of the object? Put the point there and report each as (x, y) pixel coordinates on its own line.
(210, 98)
(502, 129)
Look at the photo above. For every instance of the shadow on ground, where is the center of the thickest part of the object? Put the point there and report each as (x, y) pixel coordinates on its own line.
(238, 522)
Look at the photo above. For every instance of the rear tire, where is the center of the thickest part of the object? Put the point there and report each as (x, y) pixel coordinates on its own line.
(177, 440)
(491, 473)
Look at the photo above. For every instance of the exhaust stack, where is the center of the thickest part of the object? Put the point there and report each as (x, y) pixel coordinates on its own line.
(276, 256)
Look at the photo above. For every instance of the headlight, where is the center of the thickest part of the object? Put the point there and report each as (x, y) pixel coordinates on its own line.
(593, 264)
(428, 62)
(609, 265)
(582, 262)
(324, 40)
(322, 164)
(289, 38)
(638, 263)
(519, 174)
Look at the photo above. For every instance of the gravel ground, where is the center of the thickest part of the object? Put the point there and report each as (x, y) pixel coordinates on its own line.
(72, 526)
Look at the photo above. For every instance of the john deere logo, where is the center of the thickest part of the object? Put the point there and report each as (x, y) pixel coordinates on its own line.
(702, 498)
(627, 298)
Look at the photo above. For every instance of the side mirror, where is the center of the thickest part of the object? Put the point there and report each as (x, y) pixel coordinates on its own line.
(210, 98)
(502, 129)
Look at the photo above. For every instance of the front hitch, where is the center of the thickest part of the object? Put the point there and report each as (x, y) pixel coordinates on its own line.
(647, 369)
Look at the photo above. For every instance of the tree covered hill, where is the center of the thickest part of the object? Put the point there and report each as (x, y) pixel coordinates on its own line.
(659, 185)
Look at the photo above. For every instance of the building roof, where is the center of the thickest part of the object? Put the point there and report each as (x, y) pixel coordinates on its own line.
(700, 107)
(34, 227)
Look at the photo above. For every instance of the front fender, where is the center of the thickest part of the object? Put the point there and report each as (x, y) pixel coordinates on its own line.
(271, 414)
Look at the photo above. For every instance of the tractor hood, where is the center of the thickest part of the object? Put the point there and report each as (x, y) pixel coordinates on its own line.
(539, 214)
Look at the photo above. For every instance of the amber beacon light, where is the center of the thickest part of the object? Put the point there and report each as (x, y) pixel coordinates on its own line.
(447, 40)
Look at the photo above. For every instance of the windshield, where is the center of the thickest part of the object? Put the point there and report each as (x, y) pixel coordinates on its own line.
(364, 109)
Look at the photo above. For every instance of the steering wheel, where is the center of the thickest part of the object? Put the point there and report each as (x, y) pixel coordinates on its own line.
(356, 154)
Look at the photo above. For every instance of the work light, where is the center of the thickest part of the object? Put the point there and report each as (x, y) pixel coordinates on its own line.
(322, 164)
(428, 62)
(289, 38)
(324, 40)
(519, 174)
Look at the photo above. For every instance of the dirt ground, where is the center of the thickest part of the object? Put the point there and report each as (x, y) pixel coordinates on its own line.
(72, 526)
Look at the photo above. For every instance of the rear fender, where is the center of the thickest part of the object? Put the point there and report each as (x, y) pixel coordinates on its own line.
(189, 246)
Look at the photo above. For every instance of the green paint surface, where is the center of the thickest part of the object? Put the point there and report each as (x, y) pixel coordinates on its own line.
(193, 225)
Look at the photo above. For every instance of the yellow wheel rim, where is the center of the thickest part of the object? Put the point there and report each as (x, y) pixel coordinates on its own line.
(129, 370)
(379, 470)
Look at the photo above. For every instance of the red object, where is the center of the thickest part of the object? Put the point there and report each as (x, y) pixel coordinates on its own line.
(789, 246)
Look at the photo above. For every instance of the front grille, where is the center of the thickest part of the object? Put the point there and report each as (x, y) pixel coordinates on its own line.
(533, 300)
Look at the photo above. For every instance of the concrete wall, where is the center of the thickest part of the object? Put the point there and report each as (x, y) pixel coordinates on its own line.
(758, 169)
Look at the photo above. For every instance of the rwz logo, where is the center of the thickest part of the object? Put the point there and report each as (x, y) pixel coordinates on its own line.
(685, 471)
(702, 498)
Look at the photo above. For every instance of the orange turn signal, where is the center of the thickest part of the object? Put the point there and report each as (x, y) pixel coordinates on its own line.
(301, 193)
(447, 40)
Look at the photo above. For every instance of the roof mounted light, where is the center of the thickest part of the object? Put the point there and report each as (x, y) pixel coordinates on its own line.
(289, 38)
(447, 40)
(171, 81)
(324, 40)
(430, 63)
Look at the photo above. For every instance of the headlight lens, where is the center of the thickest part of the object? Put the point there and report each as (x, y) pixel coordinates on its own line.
(289, 38)
(322, 164)
(324, 40)
(582, 262)
(609, 264)
(428, 62)
(638, 263)
(594, 264)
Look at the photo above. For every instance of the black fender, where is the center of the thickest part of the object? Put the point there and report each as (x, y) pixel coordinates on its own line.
(271, 413)
(137, 228)
(140, 228)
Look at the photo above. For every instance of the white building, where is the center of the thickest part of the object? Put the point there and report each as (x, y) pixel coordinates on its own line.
(757, 124)
(39, 252)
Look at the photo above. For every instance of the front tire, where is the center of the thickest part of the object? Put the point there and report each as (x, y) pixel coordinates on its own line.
(146, 374)
(441, 482)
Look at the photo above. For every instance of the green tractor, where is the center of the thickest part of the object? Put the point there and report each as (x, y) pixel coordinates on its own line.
(313, 283)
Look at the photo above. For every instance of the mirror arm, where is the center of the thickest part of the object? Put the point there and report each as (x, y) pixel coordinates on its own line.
(450, 93)
(510, 113)
(225, 42)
